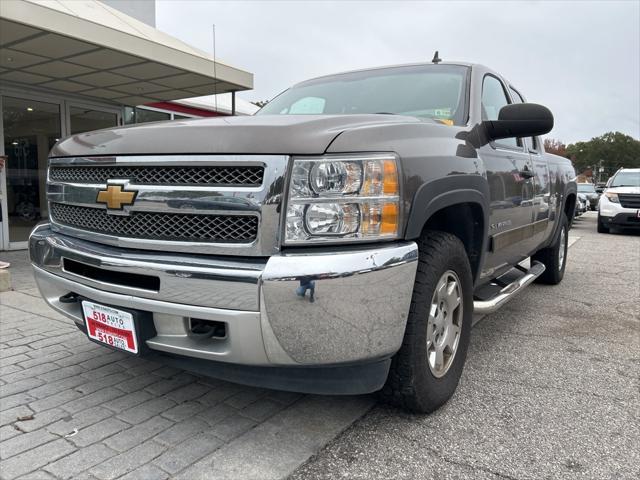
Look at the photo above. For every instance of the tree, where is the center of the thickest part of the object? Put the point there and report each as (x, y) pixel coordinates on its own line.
(610, 151)
(556, 147)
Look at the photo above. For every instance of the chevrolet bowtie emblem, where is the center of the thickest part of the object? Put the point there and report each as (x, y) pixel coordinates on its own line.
(115, 197)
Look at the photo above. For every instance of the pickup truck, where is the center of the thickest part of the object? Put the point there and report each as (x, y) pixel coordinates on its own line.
(340, 241)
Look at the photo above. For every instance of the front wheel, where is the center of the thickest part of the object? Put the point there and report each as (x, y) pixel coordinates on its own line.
(554, 257)
(426, 370)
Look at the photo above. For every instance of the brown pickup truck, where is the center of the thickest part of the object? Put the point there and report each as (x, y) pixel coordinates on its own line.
(339, 241)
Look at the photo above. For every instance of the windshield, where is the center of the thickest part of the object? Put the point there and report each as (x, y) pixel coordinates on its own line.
(586, 188)
(626, 179)
(427, 91)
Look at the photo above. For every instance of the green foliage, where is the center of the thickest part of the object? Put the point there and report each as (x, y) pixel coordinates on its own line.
(611, 151)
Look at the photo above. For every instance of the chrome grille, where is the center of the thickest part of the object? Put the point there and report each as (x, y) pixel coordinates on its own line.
(161, 175)
(159, 226)
(629, 200)
(193, 204)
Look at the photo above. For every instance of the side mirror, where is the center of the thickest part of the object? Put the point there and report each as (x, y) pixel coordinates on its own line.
(520, 120)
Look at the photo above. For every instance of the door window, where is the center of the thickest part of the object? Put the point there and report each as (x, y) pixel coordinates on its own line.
(30, 130)
(517, 98)
(494, 98)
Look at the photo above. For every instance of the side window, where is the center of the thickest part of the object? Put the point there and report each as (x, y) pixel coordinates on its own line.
(493, 99)
(517, 98)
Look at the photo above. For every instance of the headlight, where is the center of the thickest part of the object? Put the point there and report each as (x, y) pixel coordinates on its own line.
(346, 197)
(612, 197)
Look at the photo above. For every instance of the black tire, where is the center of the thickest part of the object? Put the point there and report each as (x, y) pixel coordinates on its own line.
(411, 384)
(602, 228)
(550, 256)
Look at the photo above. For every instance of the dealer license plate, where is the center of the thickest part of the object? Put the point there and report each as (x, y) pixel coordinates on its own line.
(110, 326)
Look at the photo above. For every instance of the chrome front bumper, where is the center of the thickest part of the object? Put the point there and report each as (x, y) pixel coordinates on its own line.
(361, 298)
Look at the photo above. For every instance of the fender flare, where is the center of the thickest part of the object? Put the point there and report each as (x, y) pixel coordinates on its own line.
(446, 192)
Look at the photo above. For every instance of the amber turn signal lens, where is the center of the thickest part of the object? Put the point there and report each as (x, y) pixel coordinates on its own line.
(390, 178)
(389, 219)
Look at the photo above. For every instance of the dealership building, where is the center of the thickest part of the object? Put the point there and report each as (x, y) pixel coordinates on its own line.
(70, 66)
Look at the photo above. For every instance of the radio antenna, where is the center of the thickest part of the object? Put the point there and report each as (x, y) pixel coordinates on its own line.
(215, 73)
(436, 58)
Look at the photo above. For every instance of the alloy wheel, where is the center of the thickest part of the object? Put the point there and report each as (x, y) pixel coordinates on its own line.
(445, 324)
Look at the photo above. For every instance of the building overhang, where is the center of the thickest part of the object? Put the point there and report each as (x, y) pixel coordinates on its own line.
(92, 50)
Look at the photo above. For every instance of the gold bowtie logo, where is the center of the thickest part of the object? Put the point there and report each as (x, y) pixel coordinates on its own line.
(115, 197)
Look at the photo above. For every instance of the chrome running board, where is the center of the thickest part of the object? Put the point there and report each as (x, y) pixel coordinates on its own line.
(484, 307)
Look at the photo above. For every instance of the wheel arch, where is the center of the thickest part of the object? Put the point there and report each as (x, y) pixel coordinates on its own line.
(569, 206)
(464, 198)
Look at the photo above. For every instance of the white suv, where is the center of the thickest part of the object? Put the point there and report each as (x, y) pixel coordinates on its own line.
(619, 205)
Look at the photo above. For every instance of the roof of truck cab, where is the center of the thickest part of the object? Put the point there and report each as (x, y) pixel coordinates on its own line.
(370, 69)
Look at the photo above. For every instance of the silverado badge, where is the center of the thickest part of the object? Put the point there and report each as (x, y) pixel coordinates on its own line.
(115, 197)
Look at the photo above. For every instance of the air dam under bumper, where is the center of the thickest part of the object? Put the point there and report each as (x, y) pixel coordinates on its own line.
(361, 299)
(624, 220)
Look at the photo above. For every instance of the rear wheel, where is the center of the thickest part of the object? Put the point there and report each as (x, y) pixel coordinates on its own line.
(426, 370)
(602, 228)
(554, 257)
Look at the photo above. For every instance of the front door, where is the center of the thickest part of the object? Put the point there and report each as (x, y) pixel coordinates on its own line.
(510, 177)
(543, 202)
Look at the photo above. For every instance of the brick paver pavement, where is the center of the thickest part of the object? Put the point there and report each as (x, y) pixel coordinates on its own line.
(70, 408)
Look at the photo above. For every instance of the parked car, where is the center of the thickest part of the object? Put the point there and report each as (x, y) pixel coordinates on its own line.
(619, 205)
(592, 196)
(600, 186)
(582, 204)
(368, 241)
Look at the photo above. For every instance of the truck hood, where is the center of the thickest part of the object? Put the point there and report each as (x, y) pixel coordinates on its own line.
(263, 134)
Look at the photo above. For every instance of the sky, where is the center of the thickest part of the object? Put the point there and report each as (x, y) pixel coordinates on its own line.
(579, 58)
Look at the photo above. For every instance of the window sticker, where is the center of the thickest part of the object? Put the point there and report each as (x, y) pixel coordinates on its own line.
(442, 113)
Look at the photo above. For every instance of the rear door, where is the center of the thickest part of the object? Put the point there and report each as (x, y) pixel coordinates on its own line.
(510, 176)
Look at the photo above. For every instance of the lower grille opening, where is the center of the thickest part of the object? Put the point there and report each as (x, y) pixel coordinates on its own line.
(133, 280)
(200, 328)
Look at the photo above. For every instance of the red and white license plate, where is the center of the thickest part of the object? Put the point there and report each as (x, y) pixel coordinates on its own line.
(110, 326)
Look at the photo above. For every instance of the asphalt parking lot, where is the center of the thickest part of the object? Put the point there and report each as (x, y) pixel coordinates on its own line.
(550, 390)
